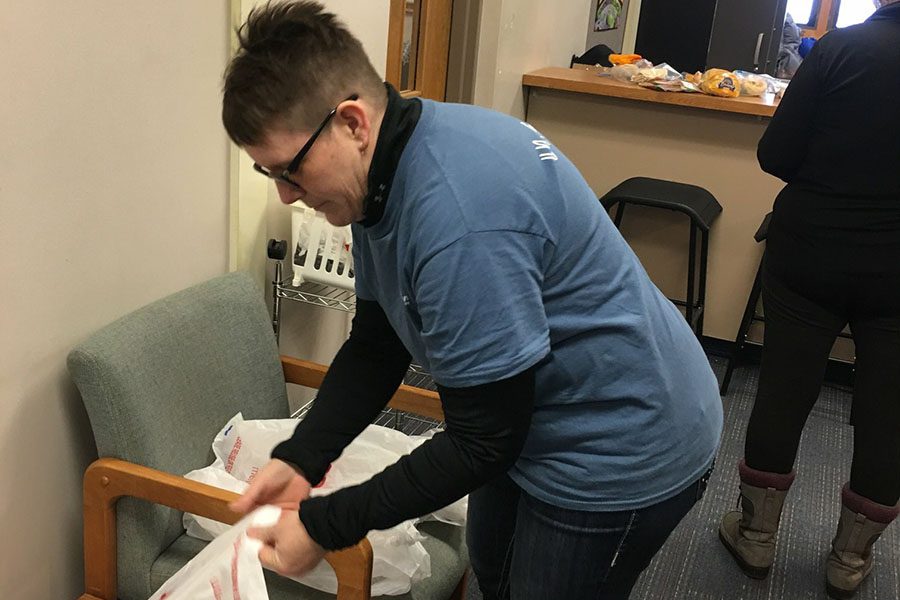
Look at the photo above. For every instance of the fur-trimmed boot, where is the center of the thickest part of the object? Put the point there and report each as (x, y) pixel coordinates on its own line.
(850, 561)
(749, 534)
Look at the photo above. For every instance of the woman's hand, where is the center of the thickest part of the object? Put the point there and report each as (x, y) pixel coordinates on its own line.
(287, 548)
(279, 484)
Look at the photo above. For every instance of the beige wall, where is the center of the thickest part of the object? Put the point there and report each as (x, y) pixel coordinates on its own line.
(517, 36)
(610, 140)
(631, 23)
(113, 182)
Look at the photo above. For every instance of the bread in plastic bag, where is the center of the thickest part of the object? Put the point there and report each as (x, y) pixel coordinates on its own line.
(773, 84)
(752, 85)
(623, 72)
(719, 82)
(227, 569)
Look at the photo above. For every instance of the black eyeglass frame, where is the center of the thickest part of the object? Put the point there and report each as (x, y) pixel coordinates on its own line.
(285, 175)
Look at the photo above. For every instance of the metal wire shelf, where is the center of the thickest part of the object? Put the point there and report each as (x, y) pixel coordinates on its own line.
(417, 377)
(316, 294)
(405, 422)
(328, 296)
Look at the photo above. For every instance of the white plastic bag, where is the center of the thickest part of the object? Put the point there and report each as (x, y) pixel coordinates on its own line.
(242, 447)
(201, 527)
(227, 569)
(399, 559)
(398, 556)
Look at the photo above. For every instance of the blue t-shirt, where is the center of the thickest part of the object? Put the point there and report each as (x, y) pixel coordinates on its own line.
(494, 256)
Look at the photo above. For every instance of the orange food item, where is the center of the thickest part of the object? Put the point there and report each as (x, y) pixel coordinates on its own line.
(624, 59)
(719, 82)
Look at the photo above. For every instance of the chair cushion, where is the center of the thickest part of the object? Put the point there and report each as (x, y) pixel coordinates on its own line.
(445, 544)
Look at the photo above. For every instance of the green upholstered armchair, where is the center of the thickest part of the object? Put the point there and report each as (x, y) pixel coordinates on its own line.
(157, 385)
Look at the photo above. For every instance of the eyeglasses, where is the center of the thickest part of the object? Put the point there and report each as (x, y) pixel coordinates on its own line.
(285, 175)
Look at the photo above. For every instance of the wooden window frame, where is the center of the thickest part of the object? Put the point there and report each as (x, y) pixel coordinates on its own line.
(826, 18)
(431, 36)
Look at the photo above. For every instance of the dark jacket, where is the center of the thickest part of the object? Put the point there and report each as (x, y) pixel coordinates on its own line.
(789, 56)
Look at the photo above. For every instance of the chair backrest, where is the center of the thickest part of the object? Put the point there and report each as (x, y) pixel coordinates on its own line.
(597, 55)
(160, 382)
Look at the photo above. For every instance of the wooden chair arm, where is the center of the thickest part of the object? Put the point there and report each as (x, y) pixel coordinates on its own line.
(408, 398)
(108, 479)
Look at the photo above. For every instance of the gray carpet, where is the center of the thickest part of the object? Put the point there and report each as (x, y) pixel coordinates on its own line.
(694, 565)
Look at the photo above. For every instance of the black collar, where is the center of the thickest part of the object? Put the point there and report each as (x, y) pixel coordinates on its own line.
(400, 118)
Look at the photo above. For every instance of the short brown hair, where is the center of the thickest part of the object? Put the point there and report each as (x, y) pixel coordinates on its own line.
(294, 64)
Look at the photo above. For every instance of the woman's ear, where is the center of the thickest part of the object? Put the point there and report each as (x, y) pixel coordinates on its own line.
(355, 119)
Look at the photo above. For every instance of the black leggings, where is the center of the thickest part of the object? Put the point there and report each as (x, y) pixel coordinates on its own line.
(804, 313)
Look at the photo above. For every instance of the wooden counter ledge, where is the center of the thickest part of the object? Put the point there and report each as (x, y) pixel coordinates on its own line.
(588, 82)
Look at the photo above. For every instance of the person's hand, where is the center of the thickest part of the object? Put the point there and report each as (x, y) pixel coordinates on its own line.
(287, 548)
(278, 484)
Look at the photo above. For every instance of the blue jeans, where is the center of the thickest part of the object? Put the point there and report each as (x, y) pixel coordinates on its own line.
(525, 549)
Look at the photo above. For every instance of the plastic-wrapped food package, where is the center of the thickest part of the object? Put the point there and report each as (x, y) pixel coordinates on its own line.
(650, 74)
(623, 72)
(719, 82)
(752, 84)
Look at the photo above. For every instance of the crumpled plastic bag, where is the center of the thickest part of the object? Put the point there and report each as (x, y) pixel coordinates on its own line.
(399, 559)
(227, 569)
(623, 72)
(662, 78)
(773, 85)
(752, 84)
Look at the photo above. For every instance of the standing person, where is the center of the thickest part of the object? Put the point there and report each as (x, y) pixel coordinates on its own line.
(832, 258)
(581, 412)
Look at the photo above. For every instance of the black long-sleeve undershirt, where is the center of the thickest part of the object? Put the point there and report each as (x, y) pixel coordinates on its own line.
(486, 427)
(363, 376)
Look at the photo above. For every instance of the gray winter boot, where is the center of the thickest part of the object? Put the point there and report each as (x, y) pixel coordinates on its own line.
(850, 561)
(749, 534)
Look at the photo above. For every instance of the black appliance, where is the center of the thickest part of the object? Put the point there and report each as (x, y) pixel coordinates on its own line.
(694, 35)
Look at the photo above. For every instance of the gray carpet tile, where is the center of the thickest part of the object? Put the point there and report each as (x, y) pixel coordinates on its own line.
(694, 565)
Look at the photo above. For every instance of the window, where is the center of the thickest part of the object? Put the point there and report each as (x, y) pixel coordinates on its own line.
(851, 12)
(824, 15)
(804, 12)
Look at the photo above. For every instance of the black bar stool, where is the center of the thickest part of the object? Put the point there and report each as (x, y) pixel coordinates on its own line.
(740, 341)
(699, 205)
